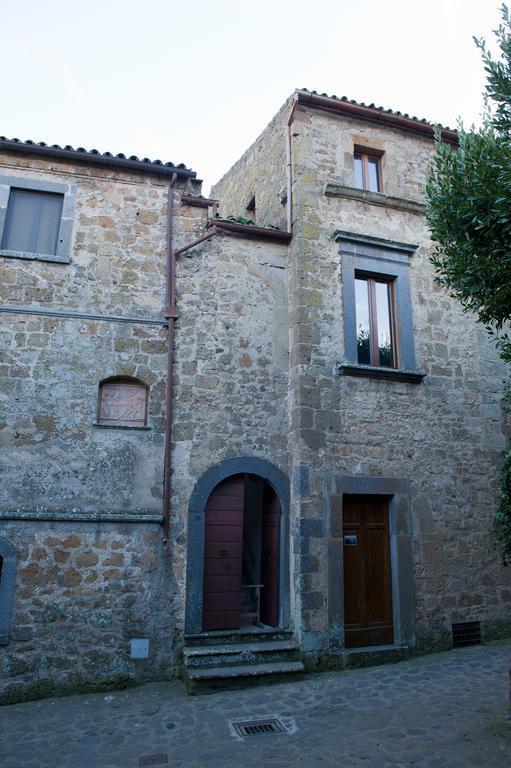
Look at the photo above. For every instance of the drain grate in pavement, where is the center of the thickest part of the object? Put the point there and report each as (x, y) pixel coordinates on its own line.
(159, 759)
(259, 727)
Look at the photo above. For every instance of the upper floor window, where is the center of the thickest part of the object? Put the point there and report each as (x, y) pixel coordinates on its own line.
(374, 308)
(122, 402)
(378, 326)
(33, 222)
(36, 219)
(368, 170)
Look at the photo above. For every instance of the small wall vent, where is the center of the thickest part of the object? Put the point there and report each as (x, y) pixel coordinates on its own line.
(466, 633)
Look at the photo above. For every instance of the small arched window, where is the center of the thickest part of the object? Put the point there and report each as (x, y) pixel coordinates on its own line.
(122, 402)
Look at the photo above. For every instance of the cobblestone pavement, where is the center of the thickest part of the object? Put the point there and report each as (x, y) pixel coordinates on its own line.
(447, 710)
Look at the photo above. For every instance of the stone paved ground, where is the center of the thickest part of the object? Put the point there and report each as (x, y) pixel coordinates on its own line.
(447, 710)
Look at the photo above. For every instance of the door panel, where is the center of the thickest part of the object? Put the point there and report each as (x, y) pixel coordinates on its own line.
(270, 558)
(223, 547)
(367, 576)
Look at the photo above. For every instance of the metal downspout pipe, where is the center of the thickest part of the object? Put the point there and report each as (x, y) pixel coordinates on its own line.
(289, 201)
(170, 316)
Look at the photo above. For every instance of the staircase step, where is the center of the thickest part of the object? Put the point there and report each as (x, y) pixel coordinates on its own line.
(266, 646)
(244, 670)
(235, 637)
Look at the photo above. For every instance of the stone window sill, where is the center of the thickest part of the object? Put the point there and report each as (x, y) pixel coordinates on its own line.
(122, 426)
(373, 372)
(375, 198)
(35, 256)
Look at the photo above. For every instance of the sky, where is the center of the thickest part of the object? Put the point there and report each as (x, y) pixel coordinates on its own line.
(196, 82)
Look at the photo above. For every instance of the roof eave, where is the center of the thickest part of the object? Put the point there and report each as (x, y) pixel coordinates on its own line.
(120, 163)
(390, 119)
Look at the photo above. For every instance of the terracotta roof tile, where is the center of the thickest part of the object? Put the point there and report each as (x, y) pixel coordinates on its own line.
(94, 156)
(397, 113)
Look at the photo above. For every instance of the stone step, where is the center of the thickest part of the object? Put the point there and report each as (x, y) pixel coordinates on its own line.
(240, 653)
(266, 646)
(205, 679)
(233, 637)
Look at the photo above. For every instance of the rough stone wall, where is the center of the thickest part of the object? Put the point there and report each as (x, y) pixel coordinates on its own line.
(445, 435)
(57, 465)
(261, 171)
(230, 398)
(231, 366)
(83, 592)
(53, 457)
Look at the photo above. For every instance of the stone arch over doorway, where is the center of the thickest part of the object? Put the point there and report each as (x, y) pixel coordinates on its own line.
(196, 532)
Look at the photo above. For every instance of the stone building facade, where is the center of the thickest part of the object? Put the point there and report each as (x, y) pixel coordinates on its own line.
(275, 391)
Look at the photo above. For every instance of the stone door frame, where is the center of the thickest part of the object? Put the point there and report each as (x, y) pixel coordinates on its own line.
(196, 525)
(401, 556)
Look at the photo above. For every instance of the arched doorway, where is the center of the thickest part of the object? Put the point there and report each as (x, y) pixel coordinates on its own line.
(237, 553)
(241, 555)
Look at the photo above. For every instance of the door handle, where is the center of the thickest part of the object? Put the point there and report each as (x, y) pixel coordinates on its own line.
(223, 552)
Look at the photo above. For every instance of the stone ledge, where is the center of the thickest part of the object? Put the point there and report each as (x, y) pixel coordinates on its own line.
(373, 372)
(35, 256)
(80, 517)
(251, 231)
(374, 198)
(122, 426)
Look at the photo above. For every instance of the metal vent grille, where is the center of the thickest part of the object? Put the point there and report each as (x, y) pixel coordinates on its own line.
(259, 727)
(467, 633)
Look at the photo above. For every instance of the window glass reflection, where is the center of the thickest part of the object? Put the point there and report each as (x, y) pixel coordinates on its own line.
(359, 174)
(383, 320)
(362, 318)
(372, 166)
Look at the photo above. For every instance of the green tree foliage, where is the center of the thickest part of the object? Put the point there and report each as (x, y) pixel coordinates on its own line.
(469, 214)
(469, 196)
(502, 519)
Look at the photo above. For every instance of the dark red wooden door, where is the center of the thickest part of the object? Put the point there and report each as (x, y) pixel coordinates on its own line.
(270, 559)
(367, 578)
(223, 554)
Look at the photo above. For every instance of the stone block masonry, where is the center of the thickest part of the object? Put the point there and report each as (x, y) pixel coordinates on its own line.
(264, 357)
(84, 591)
(85, 588)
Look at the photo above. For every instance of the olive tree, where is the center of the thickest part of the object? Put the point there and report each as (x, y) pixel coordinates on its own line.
(469, 214)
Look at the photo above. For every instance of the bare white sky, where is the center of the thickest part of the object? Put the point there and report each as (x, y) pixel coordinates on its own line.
(196, 81)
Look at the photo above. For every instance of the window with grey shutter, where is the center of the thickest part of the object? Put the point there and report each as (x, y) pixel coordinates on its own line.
(33, 221)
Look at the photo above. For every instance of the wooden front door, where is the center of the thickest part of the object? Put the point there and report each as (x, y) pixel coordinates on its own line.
(223, 555)
(270, 558)
(367, 577)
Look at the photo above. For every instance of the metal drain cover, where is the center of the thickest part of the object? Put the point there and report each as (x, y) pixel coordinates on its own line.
(259, 727)
(159, 759)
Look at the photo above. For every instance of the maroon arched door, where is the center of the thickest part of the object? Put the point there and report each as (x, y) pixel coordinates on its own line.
(241, 555)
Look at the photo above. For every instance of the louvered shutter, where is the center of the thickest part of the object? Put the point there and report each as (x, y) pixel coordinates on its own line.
(33, 222)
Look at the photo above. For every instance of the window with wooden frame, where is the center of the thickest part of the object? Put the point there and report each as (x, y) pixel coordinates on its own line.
(374, 307)
(377, 308)
(368, 169)
(122, 402)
